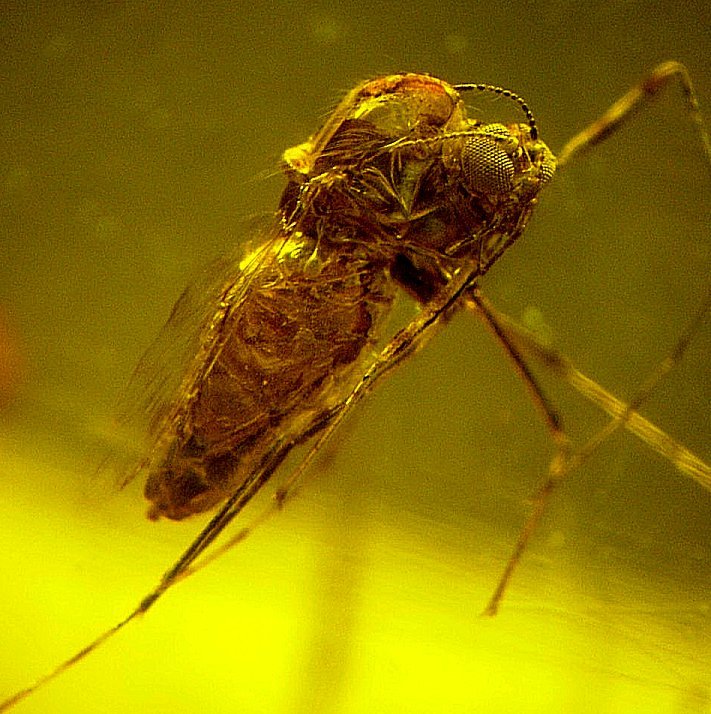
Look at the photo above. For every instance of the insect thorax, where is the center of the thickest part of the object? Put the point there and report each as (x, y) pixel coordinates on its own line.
(400, 168)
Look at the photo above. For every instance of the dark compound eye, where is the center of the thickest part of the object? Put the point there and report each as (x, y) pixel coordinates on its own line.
(488, 169)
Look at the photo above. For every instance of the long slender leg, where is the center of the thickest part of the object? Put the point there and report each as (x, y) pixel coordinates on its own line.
(631, 103)
(483, 308)
(525, 342)
(565, 461)
(624, 415)
(476, 302)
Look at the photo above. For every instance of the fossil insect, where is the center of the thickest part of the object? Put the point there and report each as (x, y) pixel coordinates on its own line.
(399, 191)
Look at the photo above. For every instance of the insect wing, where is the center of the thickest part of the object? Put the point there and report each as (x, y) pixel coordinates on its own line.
(167, 377)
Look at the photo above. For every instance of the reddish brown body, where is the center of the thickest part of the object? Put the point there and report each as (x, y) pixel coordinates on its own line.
(397, 190)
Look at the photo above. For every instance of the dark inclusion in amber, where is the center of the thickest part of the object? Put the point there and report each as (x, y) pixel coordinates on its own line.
(398, 190)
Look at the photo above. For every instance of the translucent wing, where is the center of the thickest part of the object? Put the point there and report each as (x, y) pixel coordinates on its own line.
(167, 376)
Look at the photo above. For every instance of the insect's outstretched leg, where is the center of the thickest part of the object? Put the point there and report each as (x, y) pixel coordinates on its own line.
(565, 461)
(630, 103)
(476, 302)
(668, 448)
(500, 328)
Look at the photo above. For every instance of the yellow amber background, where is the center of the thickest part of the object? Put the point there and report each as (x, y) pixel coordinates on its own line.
(135, 144)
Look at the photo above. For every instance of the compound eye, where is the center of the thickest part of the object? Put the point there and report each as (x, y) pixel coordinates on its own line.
(547, 169)
(488, 169)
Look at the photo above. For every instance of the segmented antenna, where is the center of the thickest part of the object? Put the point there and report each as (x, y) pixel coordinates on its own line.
(503, 93)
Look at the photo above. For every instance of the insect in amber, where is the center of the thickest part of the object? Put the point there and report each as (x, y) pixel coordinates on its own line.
(398, 191)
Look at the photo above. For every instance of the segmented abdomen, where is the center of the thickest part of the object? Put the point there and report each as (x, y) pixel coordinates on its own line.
(293, 347)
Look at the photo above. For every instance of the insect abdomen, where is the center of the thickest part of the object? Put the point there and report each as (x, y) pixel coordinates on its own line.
(292, 348)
